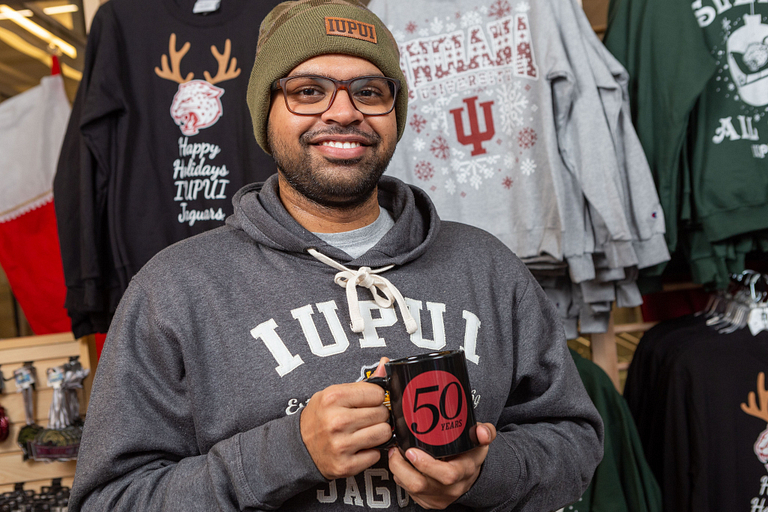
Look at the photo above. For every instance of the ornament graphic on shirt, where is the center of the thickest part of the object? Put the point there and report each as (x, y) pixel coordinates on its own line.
(197, 103)
(747, 50)
(757, 406)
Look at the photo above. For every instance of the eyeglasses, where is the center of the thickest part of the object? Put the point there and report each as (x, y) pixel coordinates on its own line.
(312, 95)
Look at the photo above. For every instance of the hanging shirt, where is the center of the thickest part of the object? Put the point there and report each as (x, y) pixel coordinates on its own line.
(159, 141)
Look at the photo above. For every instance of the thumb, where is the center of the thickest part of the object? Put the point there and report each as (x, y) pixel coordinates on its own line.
(381, 371)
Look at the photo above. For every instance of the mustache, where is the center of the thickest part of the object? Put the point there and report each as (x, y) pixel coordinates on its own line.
(371, 138)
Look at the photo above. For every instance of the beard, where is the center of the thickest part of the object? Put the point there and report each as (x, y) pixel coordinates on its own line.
(336, 183)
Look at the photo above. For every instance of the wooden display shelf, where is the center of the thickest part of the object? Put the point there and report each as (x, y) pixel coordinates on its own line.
(44, 352)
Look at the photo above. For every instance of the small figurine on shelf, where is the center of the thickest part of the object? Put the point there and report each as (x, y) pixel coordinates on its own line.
(5, 422)
(61, 440)
(26, 376)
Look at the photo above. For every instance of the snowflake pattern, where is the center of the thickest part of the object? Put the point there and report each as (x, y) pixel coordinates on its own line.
(471, 19)
(500, 9)
(528, 167)
(419, 144)
(523, 7)
(411, 27)
(726, 25)
(512, 104)
(507, 182)
(440, 148)
(527, 138)
(417, 123)
(436, 26)
(439, 113)
(474, 171)
(424, 171)
(450, 186)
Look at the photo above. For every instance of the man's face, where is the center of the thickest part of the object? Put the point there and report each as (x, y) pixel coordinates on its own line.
(335, 158)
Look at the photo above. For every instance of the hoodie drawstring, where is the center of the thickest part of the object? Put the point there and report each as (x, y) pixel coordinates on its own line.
(367, 278)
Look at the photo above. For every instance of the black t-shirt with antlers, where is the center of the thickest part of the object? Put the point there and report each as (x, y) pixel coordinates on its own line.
(159, 141)
(700, 402)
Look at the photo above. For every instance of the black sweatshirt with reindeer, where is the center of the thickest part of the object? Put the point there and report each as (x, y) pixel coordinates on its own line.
(159, 141)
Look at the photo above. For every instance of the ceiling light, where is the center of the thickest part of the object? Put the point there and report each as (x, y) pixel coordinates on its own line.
(37, 30)
(18, 43)
(51, 11)
(60, 9)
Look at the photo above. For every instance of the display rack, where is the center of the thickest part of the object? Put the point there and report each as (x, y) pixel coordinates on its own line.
(45, 352)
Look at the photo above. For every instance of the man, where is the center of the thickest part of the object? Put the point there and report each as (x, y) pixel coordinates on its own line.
(202, 397)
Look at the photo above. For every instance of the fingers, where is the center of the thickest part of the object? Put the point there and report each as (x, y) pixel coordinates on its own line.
(436, 483)
(355, 395)
(342, 424)
(422, 487)
(486, 433)
(447, 472)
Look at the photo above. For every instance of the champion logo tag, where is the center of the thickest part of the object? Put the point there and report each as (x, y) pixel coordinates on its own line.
(350, 28)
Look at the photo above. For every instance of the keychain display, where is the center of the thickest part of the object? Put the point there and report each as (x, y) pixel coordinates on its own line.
(5, 422)
(53, 498)
(25, 377)
(61, 440)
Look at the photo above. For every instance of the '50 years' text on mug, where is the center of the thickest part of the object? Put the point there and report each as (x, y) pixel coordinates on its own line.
(431, 403)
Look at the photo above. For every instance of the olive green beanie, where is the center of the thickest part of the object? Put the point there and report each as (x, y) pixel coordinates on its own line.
(299, 30)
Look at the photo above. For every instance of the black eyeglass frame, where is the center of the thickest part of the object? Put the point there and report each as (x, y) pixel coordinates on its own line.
(338, 85)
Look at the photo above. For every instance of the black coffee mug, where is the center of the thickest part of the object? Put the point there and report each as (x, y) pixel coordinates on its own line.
(430, 403)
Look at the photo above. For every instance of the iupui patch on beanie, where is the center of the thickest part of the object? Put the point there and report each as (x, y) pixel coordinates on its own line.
(350, 28)
(299, 30)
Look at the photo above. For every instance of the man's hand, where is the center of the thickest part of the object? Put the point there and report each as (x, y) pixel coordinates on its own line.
(435, 484)
(342, 424)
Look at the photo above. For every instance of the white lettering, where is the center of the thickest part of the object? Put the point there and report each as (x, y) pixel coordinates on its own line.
(372, 492)
(722, 5)
(387, 318)
(304, 316)
(436, 312)
(726, 129)
(332, 495)
(472, 327)
(403, 498)
(192, 169)
(352, 495)
(763, 484)
(197, 148)
(747, 131)
(705, 16)
(759, 150)
(192, 216)
(286, 362)
(294, 406)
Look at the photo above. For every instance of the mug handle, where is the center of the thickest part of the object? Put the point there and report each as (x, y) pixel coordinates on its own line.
(382, 382)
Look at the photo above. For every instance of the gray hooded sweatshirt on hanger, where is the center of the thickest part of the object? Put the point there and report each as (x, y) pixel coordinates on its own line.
(221, 339)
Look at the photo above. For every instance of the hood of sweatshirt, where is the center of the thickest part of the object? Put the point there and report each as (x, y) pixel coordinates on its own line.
(262, 216)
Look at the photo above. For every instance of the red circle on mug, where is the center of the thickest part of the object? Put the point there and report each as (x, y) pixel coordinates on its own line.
(435, 408)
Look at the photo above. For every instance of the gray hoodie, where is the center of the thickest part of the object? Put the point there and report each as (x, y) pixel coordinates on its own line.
(222, 338)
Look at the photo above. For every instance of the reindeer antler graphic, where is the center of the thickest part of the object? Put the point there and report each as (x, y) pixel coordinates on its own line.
(759, 411)
(223, 58)
(174, 72)
(753, 409)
